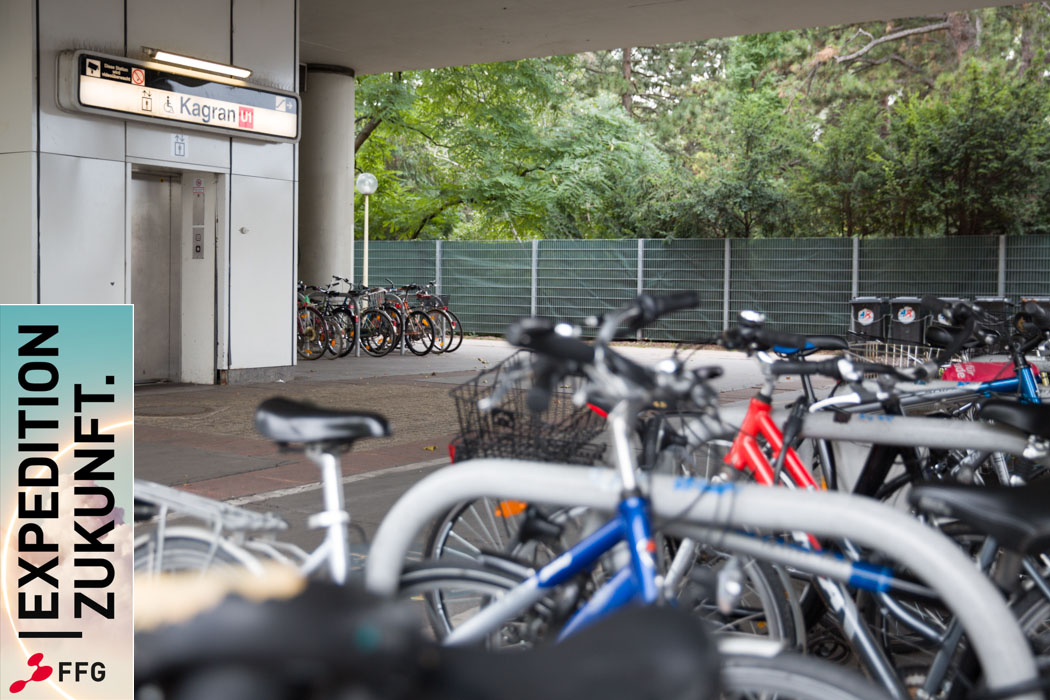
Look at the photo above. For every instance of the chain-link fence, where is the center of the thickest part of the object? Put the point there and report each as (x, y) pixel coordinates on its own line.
(802, 284)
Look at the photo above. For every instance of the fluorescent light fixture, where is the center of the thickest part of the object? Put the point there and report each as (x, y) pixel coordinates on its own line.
(197, 63)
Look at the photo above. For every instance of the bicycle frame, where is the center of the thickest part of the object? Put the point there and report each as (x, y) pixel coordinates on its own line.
(634, 583)
(1001, 647)
(746, 455)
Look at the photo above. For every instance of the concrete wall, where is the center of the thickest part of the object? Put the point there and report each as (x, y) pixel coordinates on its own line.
(18, 160)
(63, 186)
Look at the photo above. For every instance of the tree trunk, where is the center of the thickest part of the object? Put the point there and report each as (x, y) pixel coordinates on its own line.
(365, 132)
(627, 98)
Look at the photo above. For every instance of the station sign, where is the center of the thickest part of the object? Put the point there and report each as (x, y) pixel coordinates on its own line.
(147, 91)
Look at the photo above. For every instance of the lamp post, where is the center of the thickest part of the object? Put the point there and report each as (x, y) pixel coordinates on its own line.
(366, 184)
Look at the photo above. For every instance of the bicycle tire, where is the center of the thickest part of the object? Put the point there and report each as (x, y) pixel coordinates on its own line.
(310, 333)
(444, 330)
(189, 549)
(450, 593)
(419, 333)
(457, 339)
(473, 528)
(1033, 615)
(377, 332)
(335, 338)
(344, 317)
(789, 676)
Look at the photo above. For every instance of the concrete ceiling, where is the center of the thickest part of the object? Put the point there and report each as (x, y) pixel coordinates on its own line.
(390, 35)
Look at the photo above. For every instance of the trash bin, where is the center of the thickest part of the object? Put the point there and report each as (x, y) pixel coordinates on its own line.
(868, 317)
(907, 321)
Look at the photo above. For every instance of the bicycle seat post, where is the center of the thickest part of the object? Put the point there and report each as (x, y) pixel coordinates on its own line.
(334, 518)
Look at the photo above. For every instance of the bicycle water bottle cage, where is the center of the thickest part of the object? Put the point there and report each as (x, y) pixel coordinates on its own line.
(290, 422)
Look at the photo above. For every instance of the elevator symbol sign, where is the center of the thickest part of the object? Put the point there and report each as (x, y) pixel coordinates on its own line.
(179, 146)
(246, 117)
(138, 76)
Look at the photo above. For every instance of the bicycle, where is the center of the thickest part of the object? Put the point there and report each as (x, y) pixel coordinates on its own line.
(322, 434)
(311, 330)
(412, 327)
(448, 331)
(529, 482)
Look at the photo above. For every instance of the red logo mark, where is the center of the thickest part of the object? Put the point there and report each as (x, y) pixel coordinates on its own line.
(42, 673)
(138, 76)
(246, 117)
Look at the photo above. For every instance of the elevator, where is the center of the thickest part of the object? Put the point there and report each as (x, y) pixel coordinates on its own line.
(172, 222)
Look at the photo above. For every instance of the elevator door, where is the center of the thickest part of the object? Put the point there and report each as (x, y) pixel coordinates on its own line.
(155, 208)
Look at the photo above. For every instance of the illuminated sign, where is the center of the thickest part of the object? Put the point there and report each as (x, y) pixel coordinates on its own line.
(146, 91)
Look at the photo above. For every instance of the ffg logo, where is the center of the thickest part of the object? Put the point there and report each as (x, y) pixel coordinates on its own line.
(77, 671)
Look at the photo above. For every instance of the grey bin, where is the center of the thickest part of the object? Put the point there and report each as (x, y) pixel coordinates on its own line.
(869, 317)
(907, 321)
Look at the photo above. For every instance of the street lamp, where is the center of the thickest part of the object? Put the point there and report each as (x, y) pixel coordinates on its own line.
(366, 184)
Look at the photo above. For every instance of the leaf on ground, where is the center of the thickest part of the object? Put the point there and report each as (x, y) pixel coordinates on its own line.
(430, 448)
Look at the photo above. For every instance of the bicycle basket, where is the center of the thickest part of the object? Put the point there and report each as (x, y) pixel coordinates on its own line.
(562, 433)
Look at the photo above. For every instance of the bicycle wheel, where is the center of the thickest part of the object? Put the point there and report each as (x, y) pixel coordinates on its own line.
(1033, 614)
(444, 331)
(377, 332)
(419, 333)
(448, 594)
(492, 525)
(310, 333)
(189, 549)
(457, 339)
(335, 337)
(343, 318)
(791, 677)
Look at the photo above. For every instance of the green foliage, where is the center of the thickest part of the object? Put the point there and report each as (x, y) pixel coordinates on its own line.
(913, 127)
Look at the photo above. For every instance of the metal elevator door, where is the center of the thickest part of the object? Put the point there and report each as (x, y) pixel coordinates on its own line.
(155, 205)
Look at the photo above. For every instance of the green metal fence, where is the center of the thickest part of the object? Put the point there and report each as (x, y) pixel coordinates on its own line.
(802, 284)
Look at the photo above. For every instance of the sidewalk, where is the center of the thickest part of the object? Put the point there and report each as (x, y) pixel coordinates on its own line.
(202, 438)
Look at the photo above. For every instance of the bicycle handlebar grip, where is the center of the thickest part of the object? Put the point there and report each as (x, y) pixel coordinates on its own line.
(538, 334)
(1039, 315)
(653, 307)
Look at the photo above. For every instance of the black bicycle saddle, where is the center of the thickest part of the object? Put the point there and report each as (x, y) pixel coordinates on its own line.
(1017, 517)
(287, 421)
(1033, 419)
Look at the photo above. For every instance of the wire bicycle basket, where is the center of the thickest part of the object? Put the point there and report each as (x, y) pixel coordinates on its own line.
(562, 433)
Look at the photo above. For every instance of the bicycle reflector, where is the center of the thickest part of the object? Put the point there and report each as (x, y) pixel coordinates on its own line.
(508, 509)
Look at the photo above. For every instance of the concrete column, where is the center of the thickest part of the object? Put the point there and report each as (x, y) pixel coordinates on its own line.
(326, 175)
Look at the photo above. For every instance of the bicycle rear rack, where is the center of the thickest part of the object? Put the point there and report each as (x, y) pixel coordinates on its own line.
(220, 515)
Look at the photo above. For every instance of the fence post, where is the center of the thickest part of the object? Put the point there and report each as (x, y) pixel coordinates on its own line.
(641, 275)
(855, 278)
(1000, 287)
(437, 265)
(725, 284)
(535, 276)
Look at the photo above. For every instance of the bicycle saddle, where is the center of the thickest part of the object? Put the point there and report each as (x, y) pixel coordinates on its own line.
(941, 337)
(333, 642)
(1033, 419)
(814, 343)
(1017, 517)
(287, 421)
